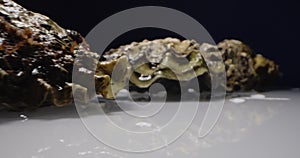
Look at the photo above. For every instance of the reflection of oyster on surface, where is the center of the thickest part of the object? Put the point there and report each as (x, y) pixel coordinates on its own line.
(238, 120)
(235, 123)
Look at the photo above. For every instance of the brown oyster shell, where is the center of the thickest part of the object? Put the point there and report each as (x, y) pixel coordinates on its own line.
(37, 58)
(246, 70)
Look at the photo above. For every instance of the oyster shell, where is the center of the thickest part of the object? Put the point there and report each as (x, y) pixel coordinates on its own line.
(148, 62)
(37, 59)
(245, 69)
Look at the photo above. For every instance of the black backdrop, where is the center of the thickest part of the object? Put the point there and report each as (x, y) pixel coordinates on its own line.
(271, 28)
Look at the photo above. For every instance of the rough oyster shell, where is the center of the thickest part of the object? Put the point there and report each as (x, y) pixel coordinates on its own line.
(147, 62)
(37, 58)
(246, 70)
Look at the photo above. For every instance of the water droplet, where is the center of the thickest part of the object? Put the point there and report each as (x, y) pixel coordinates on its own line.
(237, 100)
(85, 152)
(84, 70)
(35, 72)
(158, 73)
(258, 96)
(263, 97)
(59, 87)
(24, 117)
(43, 149)
(143, 124)
(20, 73)
(82, 153)
(191, 90)
(145, 78)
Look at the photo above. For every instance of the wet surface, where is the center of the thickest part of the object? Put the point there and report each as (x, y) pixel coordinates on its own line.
(251, 125)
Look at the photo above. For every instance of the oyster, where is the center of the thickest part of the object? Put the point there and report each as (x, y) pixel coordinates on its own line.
(37, 58)
(147, 62)
(246, 70)
(169, 60)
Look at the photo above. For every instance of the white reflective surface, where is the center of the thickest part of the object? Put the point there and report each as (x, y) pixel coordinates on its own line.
(260, 125)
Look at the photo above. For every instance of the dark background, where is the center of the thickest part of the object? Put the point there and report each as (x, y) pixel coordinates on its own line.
(270, 28)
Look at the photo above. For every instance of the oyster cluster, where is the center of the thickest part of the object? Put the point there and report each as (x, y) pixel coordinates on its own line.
(37, 58)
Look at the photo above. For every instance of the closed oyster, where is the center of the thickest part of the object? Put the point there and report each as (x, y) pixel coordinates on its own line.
(245, 69)
(147, 62)
(37, 59)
